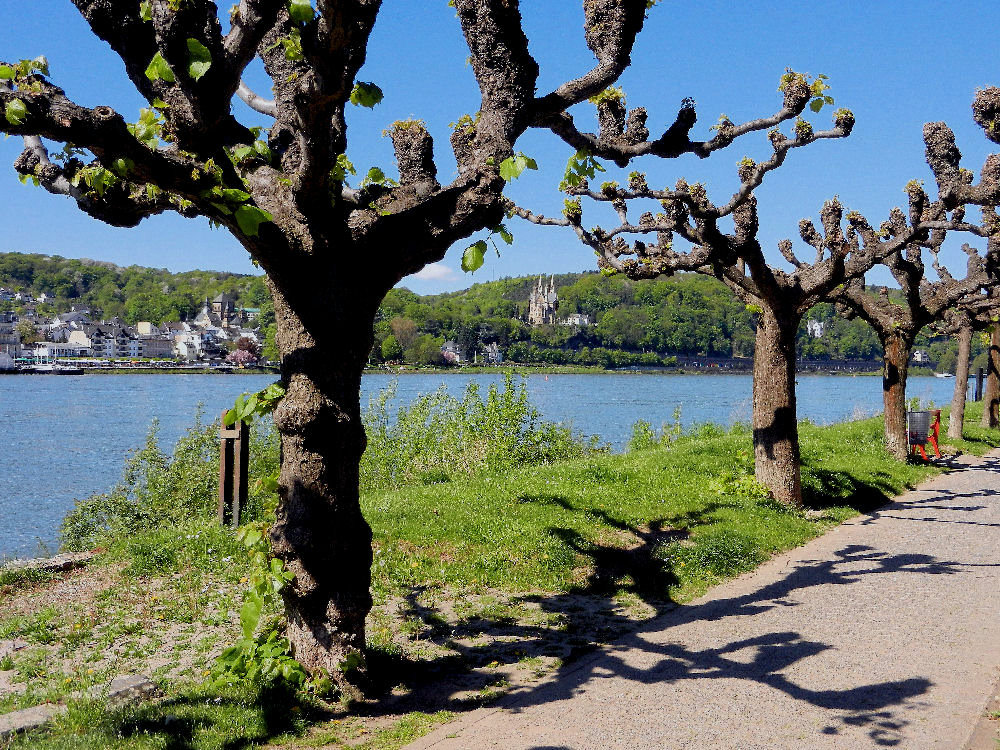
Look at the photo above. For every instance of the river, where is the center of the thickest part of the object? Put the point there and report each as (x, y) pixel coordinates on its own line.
(67, 436)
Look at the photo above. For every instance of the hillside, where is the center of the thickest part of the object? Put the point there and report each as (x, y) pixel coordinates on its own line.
(134, 293)
(632, 322)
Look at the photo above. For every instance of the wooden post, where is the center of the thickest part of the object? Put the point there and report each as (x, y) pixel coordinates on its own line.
(979, 384)
(234, 457)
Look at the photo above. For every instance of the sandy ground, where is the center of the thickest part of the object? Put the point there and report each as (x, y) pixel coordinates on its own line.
(885, 632)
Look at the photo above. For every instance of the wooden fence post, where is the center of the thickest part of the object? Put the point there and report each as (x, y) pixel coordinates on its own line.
(979, 384)
(234, 457)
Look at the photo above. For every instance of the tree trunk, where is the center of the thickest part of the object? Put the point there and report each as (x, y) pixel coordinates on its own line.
(991, 393)
(956, 420)
(324, 337)
(896, 350)
(775, 428)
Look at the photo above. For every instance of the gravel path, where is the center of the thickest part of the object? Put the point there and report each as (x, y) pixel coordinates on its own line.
(885, 632)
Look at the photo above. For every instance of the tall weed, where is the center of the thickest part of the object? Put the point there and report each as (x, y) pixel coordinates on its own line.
(157, 489)
(433, 439)
(438, 436)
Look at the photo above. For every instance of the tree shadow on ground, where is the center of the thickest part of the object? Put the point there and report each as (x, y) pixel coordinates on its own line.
(591, 614)
(825, 488)
(177, 723)
(467, 652)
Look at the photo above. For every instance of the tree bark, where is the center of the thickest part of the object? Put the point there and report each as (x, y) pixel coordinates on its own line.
(775, 427)
(324, 337)
(896, 350)
(956, 420)
(991, 392)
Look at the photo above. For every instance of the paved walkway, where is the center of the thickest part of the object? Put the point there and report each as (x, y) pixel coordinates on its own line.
(885, 632)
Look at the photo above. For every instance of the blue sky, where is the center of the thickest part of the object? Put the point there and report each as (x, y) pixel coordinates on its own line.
(896, 65)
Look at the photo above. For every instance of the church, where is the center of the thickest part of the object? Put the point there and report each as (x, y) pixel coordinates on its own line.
(543, 302)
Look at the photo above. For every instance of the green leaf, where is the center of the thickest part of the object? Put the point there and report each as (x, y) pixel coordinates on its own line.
(41, 64)
(301, 11)
(293, 45)
(375, 175)
(6, 72)
(16, 112)
(512, 167)
(365, 95)
(269, 483)
(816, 105)
(159, 70)
(250, 218)
(230, 419)
(236, 196)
(122, 166)
(199, 59)
(504, 233)
(342, 168)
(250, 615)
(146, 10)
(263, 150)
(241, 152)
(473, 256)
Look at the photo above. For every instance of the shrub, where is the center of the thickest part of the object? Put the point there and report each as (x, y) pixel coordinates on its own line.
(439, 436)
(431, 440)
(157, 490)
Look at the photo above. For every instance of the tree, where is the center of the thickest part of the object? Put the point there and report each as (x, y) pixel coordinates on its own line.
(331, 251)
(921, 303)
(975, 312)
(991, 391)
(404, 330)
(391, 350)
(28, 333)
(247, 344)
(242, 357)
(779, 298)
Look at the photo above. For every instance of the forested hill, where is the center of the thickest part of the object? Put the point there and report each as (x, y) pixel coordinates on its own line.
(133, 293)
(634, 322)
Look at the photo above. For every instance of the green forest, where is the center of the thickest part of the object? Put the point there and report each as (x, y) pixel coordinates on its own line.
(134, 293)
(635, 323)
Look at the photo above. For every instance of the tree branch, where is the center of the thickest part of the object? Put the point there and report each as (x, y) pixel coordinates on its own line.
(255, 102)
(611, 27)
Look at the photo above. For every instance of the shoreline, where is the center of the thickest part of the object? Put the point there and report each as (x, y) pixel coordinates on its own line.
(515, 370)
(150, 371)
(555, 370)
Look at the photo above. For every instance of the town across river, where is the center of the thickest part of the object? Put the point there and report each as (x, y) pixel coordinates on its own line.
(67, 437)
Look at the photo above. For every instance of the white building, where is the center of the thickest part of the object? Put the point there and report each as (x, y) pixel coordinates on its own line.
(57, 350)
(577, 319)
(815, 328)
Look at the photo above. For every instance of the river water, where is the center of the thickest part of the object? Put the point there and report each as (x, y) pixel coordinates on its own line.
(65, 437)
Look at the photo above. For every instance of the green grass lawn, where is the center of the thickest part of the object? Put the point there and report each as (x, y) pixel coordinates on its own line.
(645, 530)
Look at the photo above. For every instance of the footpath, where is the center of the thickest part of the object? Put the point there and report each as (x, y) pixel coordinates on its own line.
(885, 632)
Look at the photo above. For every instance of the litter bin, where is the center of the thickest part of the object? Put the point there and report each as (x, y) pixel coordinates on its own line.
(918, 425)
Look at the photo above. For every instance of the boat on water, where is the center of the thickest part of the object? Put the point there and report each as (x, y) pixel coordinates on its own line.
(54, 369)
(943, 375)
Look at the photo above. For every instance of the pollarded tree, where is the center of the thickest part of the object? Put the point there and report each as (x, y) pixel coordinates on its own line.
(991, 392)
(330, 251)
(975, 312)
(921, 302)
(780, 298)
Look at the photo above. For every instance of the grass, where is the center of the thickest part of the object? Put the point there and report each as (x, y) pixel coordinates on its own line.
(499, 576)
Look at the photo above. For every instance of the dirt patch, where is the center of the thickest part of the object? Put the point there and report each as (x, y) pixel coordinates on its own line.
(77, 587)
